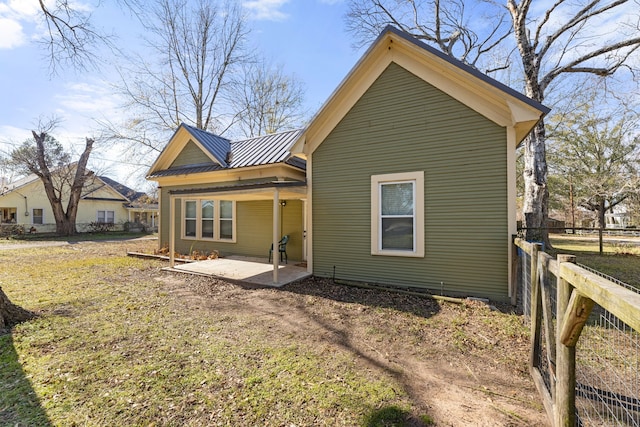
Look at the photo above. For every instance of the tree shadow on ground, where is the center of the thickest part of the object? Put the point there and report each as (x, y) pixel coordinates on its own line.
(19, 404)
(342, 327)
(421, 306)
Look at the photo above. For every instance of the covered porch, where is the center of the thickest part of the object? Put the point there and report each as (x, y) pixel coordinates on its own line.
(266, 225)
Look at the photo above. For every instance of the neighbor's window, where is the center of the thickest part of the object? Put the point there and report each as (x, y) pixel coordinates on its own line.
(106, 217)
(38, 216)
(207, 219)
(397, 216)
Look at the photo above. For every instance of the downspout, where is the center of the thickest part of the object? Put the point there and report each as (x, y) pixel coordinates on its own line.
(26, 205)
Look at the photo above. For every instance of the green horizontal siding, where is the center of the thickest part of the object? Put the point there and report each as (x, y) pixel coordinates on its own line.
(403, 124)
(254, 228)
(191, 154)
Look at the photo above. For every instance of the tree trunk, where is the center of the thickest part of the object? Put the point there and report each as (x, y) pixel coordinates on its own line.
(11, 314)
(601, 213)
(536, 193)
(66, 227)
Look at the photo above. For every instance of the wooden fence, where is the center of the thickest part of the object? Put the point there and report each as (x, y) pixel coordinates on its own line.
(559, 296)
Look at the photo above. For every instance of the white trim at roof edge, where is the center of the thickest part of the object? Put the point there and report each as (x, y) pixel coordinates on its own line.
(509, 108)
(171, 149)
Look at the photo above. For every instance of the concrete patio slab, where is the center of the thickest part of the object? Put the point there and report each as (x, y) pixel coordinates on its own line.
(256, 271)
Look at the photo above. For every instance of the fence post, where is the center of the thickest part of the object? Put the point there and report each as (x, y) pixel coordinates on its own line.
(600, 239)
(565, 356)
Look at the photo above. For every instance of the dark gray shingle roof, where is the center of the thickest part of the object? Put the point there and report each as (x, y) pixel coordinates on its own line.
(125, 191)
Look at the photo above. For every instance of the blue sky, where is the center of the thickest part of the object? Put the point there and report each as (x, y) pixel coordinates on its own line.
(307, 37)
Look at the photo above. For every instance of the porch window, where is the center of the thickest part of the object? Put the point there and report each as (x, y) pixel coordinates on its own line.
(207, 219)
(37, 216)
(190, 220)
(226, 219)
(397, 214)
(106, 217)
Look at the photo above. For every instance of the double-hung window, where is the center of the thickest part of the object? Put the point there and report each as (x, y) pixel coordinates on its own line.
(207, 219)
(397, 214)
(38, 216)
(226, 219)
(190, 218)
(107, 217)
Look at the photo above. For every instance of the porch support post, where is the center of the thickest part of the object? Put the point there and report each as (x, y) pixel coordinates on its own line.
(172, 231)
(276, 234)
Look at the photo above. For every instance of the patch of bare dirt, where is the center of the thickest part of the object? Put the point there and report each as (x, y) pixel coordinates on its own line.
(464, 365)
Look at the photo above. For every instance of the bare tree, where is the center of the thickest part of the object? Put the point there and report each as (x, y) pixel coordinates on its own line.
(195, 49)
(70, 37)
(565, 39)
(63, 180)
(598, 155)
(267, 100)
(597, 37)
(457, 27)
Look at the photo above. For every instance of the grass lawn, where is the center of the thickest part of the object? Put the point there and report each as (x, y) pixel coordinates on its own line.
(619, 259)
(121, 343)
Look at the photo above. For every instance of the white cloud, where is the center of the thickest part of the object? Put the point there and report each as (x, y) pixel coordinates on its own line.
(20, 9)
(88, 99)
(12, 136)
(268, 10)
(13, 14)
(11, 34)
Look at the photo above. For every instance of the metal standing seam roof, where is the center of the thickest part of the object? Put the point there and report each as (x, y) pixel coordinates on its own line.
(263, 150)
(186, 170)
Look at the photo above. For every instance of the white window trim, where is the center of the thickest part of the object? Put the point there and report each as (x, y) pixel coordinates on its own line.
(417, 178)
(200, 219)
(184, 218)
(216, 220)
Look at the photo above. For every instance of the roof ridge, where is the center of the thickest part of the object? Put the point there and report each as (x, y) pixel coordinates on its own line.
(236, 141)
(205, 131)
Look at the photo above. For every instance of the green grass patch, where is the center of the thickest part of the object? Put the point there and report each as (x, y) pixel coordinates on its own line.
(619, 260)
(113, 346)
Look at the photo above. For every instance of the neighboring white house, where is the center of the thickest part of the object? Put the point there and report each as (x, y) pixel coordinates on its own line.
(24, 202)
(620, 218)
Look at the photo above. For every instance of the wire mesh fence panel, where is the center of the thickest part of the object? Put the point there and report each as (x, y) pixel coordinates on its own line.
(607, 353)
(524, 280)
(608, 370)
(546, 360)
